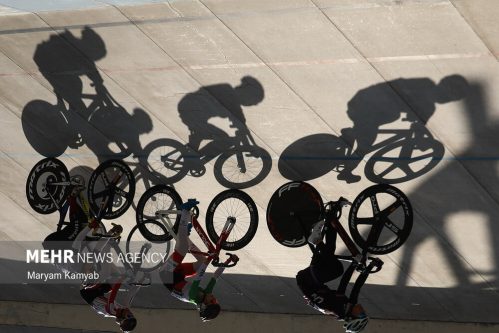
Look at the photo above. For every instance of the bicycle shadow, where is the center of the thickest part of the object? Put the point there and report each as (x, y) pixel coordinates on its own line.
(80, 121)
(398, 154)
(98, 122)
(217, 132)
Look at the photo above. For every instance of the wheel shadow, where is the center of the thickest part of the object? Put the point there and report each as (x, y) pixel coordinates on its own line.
(394, 154)
(312, 157)
(98, 122)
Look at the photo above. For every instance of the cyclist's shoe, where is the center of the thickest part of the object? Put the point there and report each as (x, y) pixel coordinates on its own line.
(348, 176)
(115, 231)
(197, 170)
(316, 234)
(191, 203)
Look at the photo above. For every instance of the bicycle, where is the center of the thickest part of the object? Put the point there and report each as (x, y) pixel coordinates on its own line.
(160, 205)
(239, 163)
(110, 191)
(403, 155)
(296, 206)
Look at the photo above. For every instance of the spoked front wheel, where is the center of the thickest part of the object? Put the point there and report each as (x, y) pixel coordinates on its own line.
(157, 198)
(152, 254)
(166, 161)
(111, 189)
(47, 186)
(380, 219)
(232, 204)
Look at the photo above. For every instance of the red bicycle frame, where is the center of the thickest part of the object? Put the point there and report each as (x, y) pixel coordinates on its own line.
(213, 250)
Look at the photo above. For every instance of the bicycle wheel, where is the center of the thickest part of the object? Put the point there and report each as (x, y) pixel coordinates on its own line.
(154, 257)
(165, 160)
(403, 160)
(292, 211)
(112, 184)
(42, 196)
(236, 204)
(159, 197)
(242, 167)
(380, 219)
(45, 128)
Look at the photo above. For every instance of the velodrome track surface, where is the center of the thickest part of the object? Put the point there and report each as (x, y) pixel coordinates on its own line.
(312, 58)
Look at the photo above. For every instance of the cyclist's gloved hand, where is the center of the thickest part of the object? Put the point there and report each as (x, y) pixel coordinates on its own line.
(116, 230)
(189, 204)
(233, 257)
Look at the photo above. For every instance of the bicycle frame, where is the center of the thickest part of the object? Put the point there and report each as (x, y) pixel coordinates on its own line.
(357, 259)
(396, 135)
(87, 209)
(213, 249)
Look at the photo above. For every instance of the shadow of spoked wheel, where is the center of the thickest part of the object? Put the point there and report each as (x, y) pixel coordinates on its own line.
(242, 167)
(404, 160)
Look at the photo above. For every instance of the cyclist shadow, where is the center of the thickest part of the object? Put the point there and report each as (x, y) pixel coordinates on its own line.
(79, 120)
(468, 188)
(395, 154)
(217, 131)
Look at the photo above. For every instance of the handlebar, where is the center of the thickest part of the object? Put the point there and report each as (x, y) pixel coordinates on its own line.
(229, 262)
(335, 207)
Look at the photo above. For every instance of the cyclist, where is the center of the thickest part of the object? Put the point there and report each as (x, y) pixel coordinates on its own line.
(375, 106)
(103, 299)
(61, 64)
(175, 272)
(77, 217)
(103, 296)
(325, 267)
(197, 108)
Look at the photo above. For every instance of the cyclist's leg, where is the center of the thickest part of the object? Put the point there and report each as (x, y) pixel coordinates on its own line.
(199, 257)
(364, 135)
(91, 292)
(325, 265)
(181, 243)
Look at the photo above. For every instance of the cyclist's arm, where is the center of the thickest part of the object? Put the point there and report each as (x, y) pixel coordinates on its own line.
(213, 280)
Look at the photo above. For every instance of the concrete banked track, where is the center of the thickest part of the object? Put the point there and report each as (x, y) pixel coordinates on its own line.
(315, 60)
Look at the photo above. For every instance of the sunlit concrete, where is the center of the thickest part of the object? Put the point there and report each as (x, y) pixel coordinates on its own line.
(312, 58)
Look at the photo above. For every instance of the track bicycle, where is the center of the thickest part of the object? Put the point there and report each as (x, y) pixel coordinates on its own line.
(110, 191)
(380, 221)
(400, 155)
(231, 220)
(239, 161)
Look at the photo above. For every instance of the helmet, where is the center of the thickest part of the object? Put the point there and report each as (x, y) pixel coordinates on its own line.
(251, 91)
(355, 325)
(209, 312)
(128, 324)
(126, 320)
(78, 182)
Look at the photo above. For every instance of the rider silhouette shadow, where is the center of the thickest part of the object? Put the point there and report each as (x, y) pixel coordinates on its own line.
(400, 154)
(215, 114)
(101, 124)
